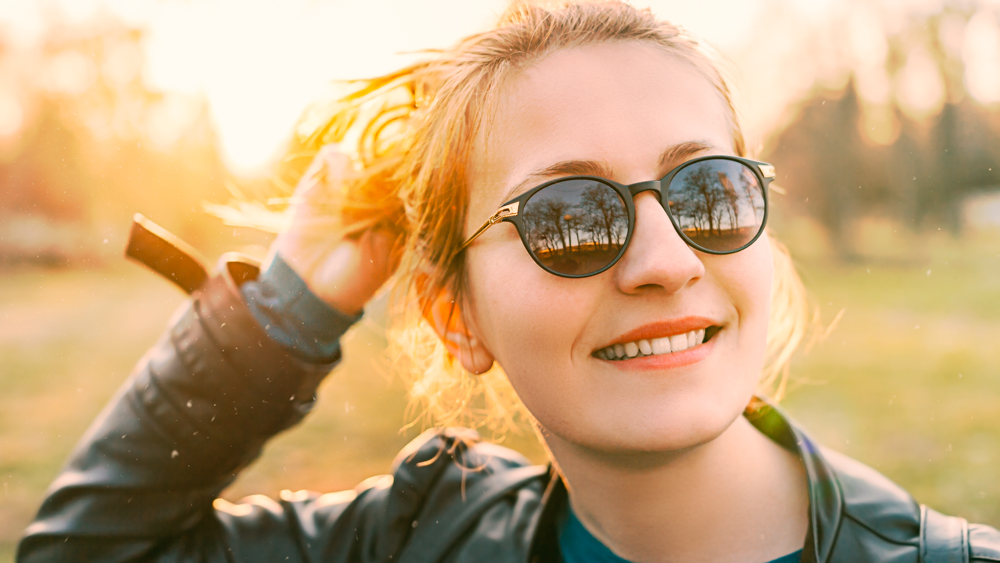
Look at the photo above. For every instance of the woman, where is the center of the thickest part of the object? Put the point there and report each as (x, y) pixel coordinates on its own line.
(632, 303)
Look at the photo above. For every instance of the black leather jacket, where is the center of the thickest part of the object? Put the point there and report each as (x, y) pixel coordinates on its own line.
(142, 485)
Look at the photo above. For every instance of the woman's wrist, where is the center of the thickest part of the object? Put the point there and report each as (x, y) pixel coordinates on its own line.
(346, 275)
(292, 315)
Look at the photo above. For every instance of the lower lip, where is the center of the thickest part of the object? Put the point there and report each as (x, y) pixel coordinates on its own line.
(667, 361)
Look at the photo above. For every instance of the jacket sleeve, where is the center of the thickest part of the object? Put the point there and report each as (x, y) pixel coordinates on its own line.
(142, 484)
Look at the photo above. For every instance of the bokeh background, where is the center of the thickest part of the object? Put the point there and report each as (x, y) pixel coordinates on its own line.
(882, 118)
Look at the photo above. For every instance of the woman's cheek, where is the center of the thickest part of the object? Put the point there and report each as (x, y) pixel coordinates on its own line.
(530, 320)
(533, 324)
(750, 276)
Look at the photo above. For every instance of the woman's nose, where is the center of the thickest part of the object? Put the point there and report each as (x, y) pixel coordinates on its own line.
(657, 258)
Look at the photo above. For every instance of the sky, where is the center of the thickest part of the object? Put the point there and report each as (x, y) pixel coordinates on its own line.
(259, 63)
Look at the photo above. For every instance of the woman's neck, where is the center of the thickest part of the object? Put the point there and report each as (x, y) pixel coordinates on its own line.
(740, 498)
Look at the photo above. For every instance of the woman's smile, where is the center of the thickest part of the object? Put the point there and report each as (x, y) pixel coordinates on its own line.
(661, 337)
(664, 360)
(662, 345)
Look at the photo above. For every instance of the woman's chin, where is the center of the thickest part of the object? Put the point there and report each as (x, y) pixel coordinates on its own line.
(676, 427)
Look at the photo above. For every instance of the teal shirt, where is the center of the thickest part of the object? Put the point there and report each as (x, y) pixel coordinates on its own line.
(579, 546)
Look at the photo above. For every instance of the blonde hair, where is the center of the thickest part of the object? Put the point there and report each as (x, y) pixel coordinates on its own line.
(412, 132)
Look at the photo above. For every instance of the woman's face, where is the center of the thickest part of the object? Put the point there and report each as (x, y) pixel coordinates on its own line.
(630, 112)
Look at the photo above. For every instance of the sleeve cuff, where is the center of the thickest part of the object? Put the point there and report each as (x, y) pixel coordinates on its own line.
(292, 315)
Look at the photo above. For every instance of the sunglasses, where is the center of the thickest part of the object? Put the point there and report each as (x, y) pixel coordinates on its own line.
(579, 226)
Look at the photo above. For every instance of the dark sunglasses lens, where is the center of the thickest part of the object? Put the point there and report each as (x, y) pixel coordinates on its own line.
(575, 227)
(719, 204)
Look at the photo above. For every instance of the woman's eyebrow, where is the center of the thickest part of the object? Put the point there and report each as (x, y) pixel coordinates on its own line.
(671, 154)
(675, 154)
(564, 168)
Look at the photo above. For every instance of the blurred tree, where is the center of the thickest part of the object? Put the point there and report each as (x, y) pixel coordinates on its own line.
(914, 157)
(84, 144)
(48, 161)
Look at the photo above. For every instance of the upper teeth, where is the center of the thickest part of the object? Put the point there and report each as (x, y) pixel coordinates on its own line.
(653, 346)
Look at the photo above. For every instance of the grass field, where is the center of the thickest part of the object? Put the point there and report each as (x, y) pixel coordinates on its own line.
(908, 382)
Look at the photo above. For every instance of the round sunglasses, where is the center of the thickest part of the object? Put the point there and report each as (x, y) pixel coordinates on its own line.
(579, 226)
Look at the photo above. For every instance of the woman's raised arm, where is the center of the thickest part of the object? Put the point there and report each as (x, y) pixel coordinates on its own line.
(143, 482)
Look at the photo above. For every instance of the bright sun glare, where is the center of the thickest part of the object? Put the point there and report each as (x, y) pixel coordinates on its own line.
(260, 63)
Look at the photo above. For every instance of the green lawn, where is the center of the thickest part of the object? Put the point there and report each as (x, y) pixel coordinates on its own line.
(908, 381)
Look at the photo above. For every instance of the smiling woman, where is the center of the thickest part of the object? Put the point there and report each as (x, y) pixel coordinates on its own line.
(635, 309)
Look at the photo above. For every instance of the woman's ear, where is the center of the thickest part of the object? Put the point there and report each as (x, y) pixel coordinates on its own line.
(448, 320)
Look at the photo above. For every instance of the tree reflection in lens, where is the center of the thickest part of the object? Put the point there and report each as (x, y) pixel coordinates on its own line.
(718, 204)
(575, 227)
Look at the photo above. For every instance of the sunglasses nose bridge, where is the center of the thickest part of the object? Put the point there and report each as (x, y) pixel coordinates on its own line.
(649, 185)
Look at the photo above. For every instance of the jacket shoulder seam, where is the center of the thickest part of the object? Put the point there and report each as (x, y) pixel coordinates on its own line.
(874, 531)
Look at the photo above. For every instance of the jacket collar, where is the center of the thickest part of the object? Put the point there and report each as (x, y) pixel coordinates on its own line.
(826, 499)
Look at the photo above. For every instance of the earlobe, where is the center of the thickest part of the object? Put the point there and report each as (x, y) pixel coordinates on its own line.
(448, 321)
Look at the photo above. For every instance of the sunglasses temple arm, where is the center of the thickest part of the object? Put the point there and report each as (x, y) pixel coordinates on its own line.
(486, 225)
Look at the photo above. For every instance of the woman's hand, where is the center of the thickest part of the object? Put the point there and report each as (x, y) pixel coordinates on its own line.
(345, 272)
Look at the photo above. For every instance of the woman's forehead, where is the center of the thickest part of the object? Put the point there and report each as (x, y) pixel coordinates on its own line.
(619, 105)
